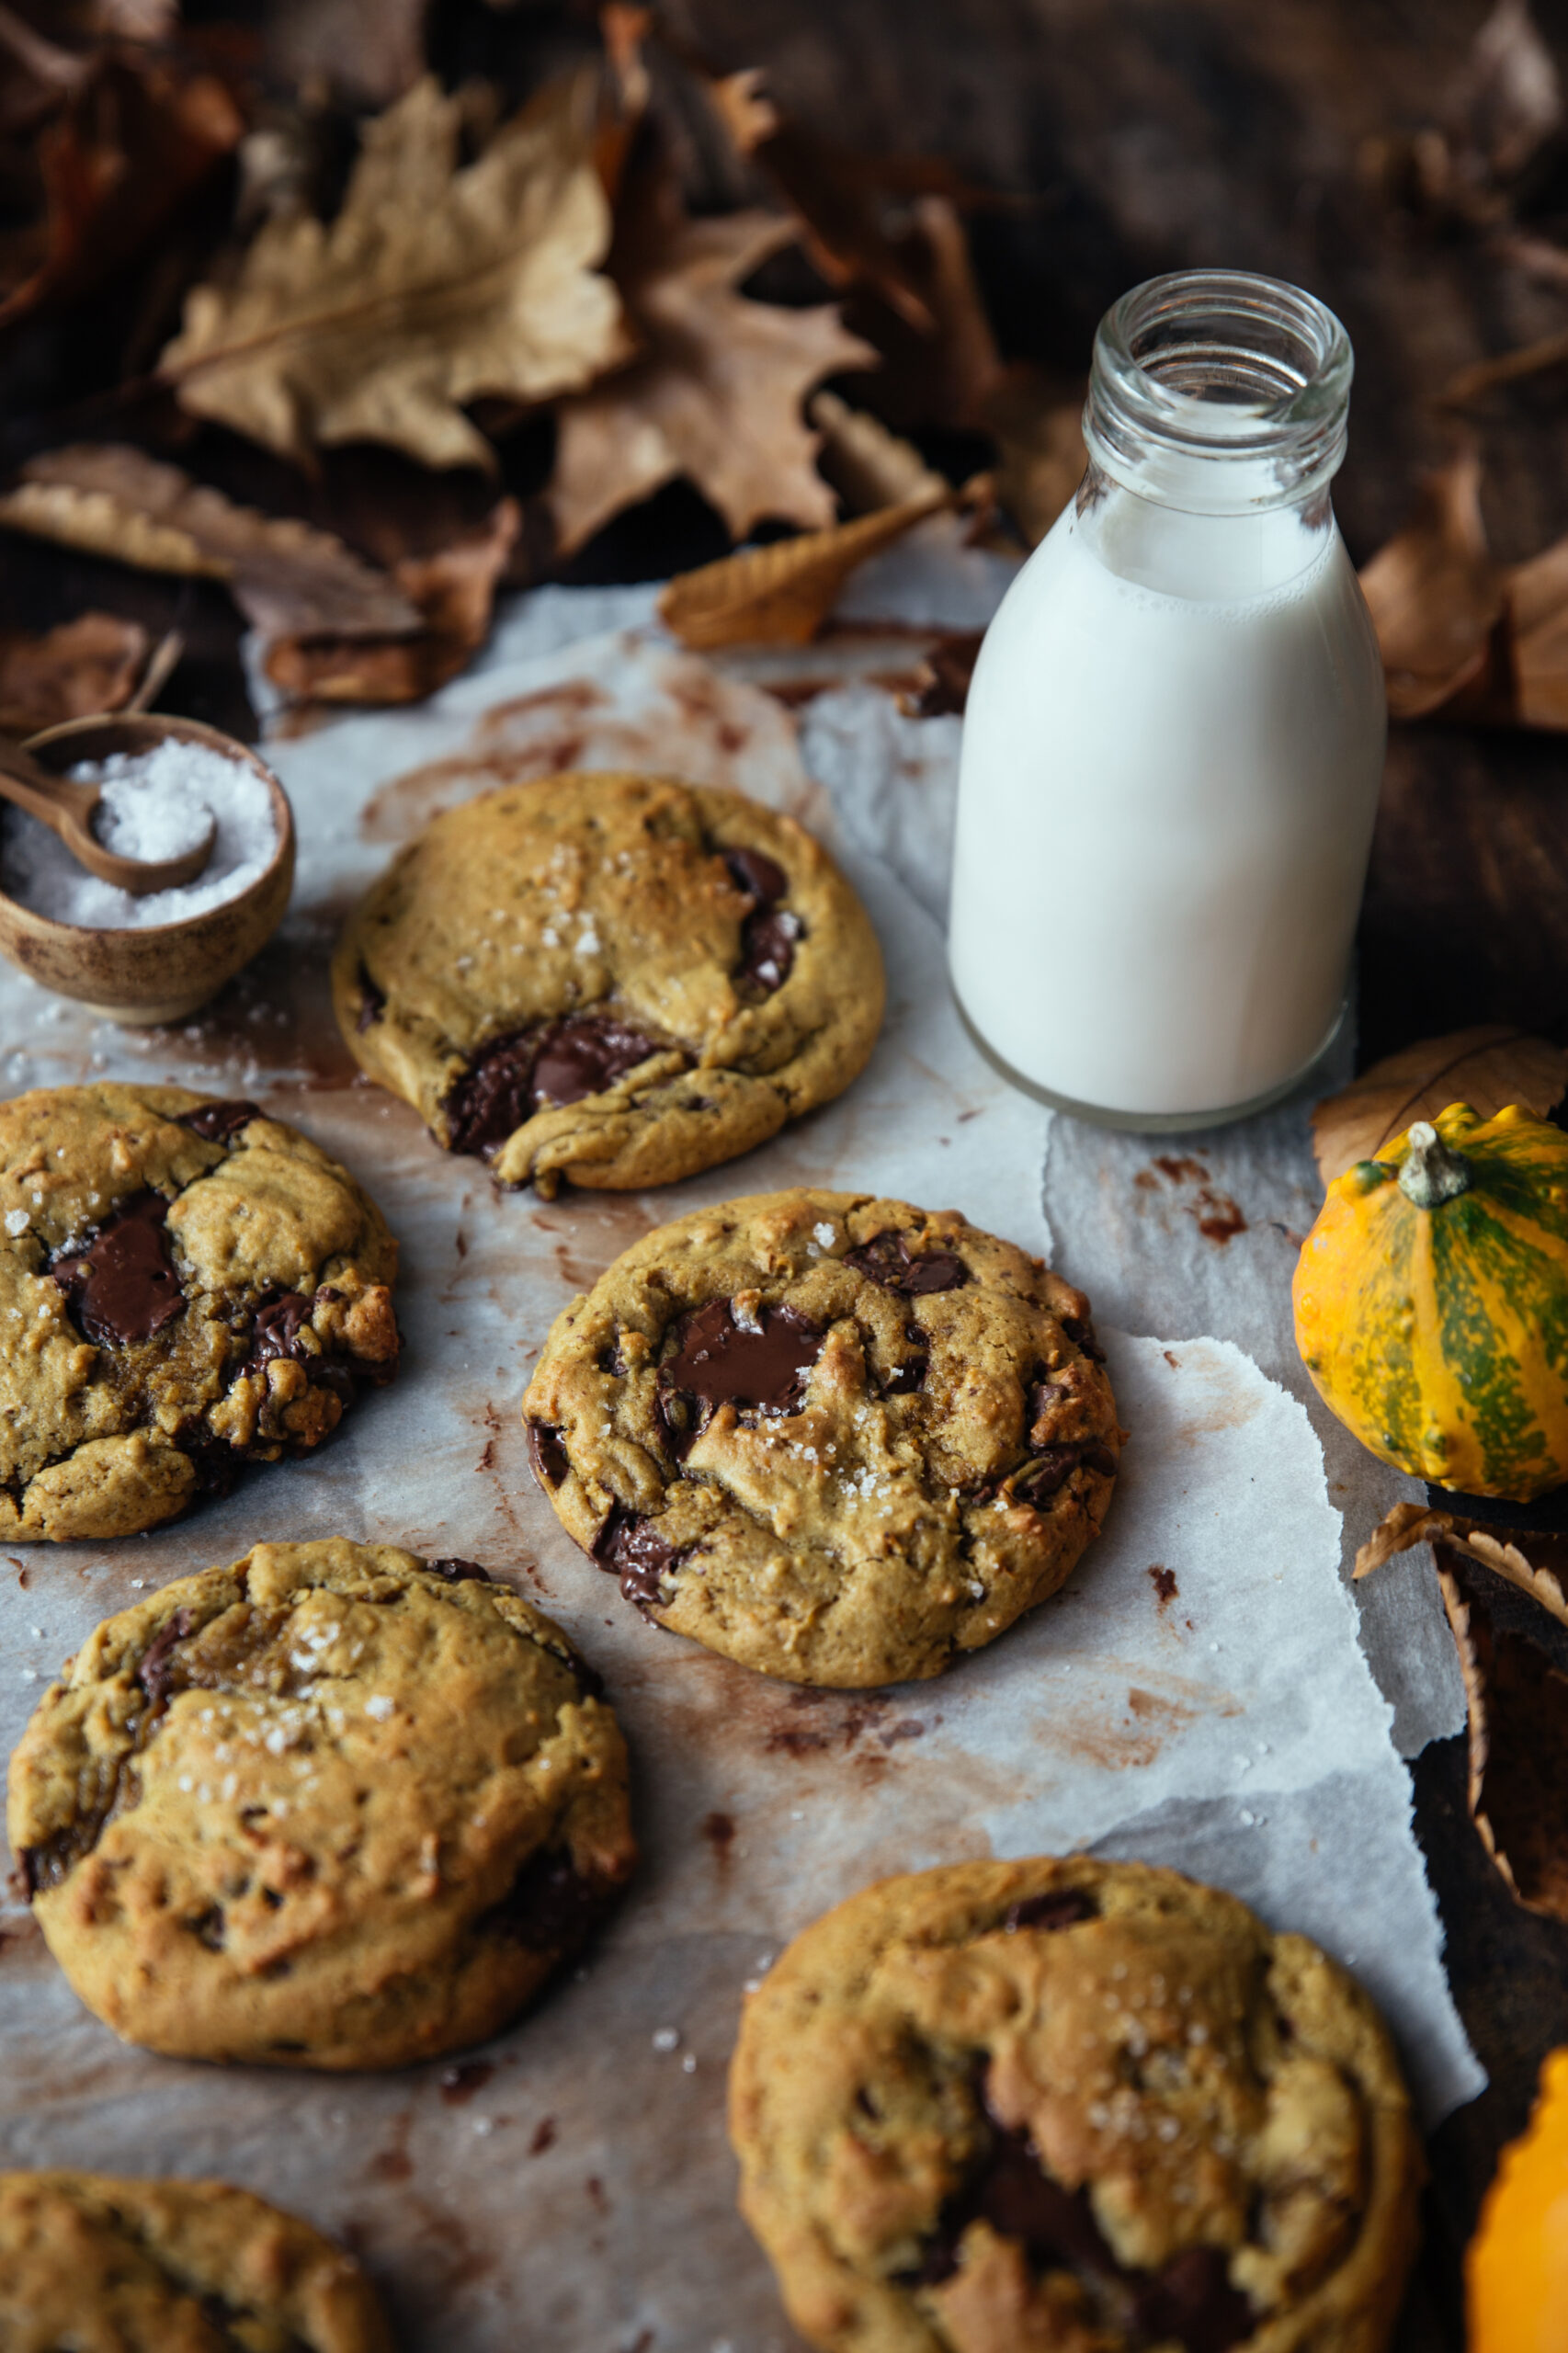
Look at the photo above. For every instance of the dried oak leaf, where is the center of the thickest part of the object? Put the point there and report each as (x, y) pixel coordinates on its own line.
(781, 593)
(1538, 621)
(134, 139)
(1435, 596)
(1408, 1525)
(715, 393)
(89, 664)
(434, 286)
(1488, 1067)
(1516, 1706)
(453, 592)
(284, 574)
(868, 466)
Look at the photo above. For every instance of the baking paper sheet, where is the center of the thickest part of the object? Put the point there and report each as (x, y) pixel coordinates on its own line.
(572, 2191)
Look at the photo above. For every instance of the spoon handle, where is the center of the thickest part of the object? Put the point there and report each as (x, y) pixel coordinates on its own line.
(67, 810)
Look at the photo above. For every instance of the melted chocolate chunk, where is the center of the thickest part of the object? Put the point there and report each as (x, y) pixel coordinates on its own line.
(547, 1454)
(1081, 1332)
(904, 1379)
(495, 1097)
(1054, 1465)
(123, 1286)
(762, 878)
(1193, 2301)
(767, 948)
(888, 1259)
(585, 1054)
(156, 1670)
(1060, 1908)
(216, 1122)
(526, 1072)
(456, 1570)
(631, 1548)
(372, 1003)
(550, 1906)
(276, 1332)
(720, 1363)
(1189, 2300)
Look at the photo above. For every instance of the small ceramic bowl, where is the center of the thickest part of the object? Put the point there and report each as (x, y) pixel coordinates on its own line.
(164, 971)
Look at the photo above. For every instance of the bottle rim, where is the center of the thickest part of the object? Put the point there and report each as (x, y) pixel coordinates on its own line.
(1221, 390)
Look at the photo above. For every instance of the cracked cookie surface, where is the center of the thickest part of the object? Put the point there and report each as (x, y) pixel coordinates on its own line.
(613, 980)
(331, 1807)
(840, 1438)
(1071, 2107)
(172, 2266)
(186, 1285)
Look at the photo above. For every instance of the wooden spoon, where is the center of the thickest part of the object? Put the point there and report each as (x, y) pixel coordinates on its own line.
(67, 810)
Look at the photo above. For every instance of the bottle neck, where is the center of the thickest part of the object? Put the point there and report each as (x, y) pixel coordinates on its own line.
(1219, 394)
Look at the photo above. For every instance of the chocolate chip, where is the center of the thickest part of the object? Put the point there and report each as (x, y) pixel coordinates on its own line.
(276, 1331)
(583, 1055)
(761, 877)
(216, 1122)
(1081, 1332)
(904, 1379)
(547, 1454)
(528, 1070)
(156, 1669)
(767, 949)
(123, 1286)
(762, 1365)
(552, 1906)
(1060, 1908)
(1192, 2301)
(372, 1003)
(889, 1261)
(631, 1548)
(1100, 1458)
(1049, 1470)
(457, 1571)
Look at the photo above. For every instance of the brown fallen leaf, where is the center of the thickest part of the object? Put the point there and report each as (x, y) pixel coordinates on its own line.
(1539, 1574)
(365, 51)
(453, 591)
(284, 576)
(1435, 596)
(781, 593)
(436, 284)
(134, 139)
(715, 395)
(92, 664)
(868, 466)
(1516, 1706)
(941, 683)
(1502, 108)
(1537, 620)
(1487, 1067)
(1039, 427)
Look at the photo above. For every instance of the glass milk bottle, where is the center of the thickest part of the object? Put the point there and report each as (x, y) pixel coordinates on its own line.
(1174, 737)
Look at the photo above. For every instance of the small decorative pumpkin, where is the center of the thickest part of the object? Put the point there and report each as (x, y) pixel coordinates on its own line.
(1432, 1302)
(1516, 2264)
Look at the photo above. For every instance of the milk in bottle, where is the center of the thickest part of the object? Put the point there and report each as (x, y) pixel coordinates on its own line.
(1174, 735)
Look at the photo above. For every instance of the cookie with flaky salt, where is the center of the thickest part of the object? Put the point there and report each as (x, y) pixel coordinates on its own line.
(840, 1438)
(610, 979)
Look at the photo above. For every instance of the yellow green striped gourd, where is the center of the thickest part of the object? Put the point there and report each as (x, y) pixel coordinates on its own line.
(1432, 1302)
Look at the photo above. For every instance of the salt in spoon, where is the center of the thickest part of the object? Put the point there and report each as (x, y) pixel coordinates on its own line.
(67, 810)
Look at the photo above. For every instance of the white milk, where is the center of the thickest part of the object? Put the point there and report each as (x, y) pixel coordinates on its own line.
(1170, 772)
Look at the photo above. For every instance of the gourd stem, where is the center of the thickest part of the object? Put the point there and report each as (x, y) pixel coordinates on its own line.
(1430, 1173)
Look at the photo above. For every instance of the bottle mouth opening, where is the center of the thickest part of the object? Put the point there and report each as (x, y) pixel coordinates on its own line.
(1220, 364)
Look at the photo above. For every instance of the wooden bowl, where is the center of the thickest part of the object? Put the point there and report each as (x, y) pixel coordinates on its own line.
(164, 971)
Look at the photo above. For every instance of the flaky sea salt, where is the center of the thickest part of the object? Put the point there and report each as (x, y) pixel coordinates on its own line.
(154, 804)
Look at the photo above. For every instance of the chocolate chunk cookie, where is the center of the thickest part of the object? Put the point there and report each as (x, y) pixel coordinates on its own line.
(332, 1807)
(184, 1285)
(838, 1438)
(617, 980)
(1071, 2107)
(172, 2266)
